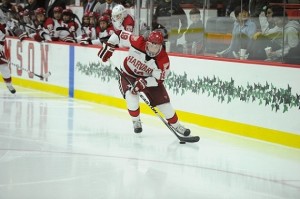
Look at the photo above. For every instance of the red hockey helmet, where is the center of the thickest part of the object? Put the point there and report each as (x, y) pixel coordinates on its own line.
(104, 18)
(40, 11)
(67, 12)
(154, 43)
(94, 14)
(107, 12)
(156, 37)
(58, 9)
(86, 14)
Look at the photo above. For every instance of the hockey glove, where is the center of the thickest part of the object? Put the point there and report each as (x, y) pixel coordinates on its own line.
(44, 35)
(139, 85)
(106, 51)
(85, 41)
(69, 39)
(23, 36)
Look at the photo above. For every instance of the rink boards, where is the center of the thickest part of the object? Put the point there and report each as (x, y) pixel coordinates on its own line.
(248, 99)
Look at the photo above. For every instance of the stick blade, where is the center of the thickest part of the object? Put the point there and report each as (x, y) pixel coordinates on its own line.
(190, 139)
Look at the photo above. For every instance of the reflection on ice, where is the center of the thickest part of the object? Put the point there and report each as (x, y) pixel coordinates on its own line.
(55, 147)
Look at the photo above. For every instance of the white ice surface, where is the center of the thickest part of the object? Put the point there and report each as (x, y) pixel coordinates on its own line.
(52, 147)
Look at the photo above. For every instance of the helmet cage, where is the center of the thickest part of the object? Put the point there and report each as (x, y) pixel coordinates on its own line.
(118, 15)
(153, 49)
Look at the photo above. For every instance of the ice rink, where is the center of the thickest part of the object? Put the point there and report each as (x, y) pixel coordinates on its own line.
(53, 147)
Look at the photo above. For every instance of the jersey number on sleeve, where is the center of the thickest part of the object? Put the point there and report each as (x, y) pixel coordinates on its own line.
(124, 35)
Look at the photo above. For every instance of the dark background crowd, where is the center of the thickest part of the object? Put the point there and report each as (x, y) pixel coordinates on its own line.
(239, 25)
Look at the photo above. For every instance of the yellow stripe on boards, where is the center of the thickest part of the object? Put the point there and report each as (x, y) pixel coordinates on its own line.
(260, 133)
(108, 100)
(247, 130)
(40, 86)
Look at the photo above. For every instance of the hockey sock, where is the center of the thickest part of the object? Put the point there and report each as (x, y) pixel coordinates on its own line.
(135, 114)
(7, 80)
(169, 113)
(4, 69)
(133, 105)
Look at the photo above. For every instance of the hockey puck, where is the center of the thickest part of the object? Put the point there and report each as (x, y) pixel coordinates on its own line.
(182, 142)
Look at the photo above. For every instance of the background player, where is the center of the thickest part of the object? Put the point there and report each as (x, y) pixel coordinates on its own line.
(121, 20)
(4, 69)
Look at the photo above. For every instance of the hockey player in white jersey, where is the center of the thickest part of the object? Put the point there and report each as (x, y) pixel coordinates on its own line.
(146, 66)
(4, 69)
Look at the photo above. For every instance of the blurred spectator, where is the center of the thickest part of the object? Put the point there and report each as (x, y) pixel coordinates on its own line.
(91, 6)
(266, 19)
(157, 27)
(6, 6)
(171, 15)
(108, 5)
(4, 10)
(51, 4)
(32, 5)
(283, 37)
(255, 8)
(293, 56)
(242, 33)
(194, 34)
(232, 4)
(126, 3)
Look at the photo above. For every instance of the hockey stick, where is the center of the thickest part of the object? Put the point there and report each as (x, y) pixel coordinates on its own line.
(23, 24)
(181, 139)
(46, 75)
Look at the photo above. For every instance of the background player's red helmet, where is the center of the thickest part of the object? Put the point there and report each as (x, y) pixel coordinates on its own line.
(94, 14)
(58, 9)
(104, 18)
(156, 37)
(67, 12)
(107, 12)
(40, 11)
(154, 43)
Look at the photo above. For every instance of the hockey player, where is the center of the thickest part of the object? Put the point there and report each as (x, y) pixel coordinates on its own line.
(105, 29)
(57, 19)
(102, 32)
(121, 20)
(4, 69)
(85, 20)
(107, 13)
(71, 25)
(146, 66)
(45, 27)
(57, 16)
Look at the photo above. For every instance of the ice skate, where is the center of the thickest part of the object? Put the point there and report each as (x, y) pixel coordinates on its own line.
(11, 88)
(137, 126)
(182, 130)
